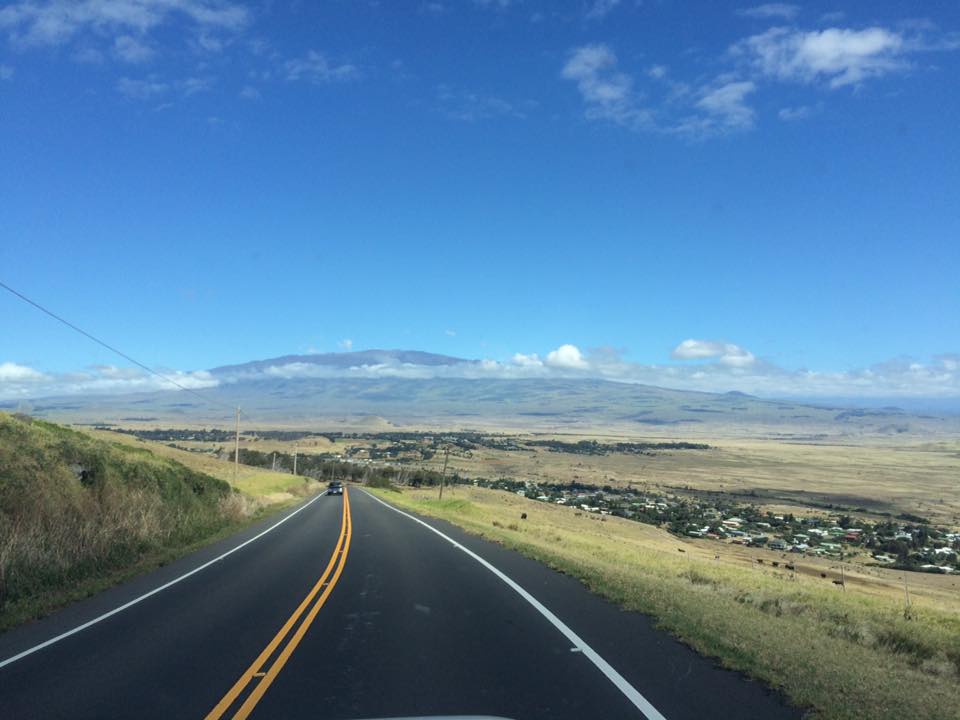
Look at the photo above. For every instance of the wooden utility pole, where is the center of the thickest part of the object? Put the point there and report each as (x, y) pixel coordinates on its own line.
(236, 452)
(295, 448)
(906, 595)
(443, 474)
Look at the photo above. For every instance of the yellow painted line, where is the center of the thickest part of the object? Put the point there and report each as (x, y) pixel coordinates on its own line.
(267, 676)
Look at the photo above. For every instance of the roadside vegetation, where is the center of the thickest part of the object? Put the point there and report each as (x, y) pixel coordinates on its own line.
(840, 654)
(78, 514)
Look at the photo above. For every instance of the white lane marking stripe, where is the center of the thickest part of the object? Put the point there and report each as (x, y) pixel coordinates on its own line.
(163, 587)
(633, 695)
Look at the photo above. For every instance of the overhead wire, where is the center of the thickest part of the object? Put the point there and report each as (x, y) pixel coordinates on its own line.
(112, 349)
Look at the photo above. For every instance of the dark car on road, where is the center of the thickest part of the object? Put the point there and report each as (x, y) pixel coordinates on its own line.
(335, 488)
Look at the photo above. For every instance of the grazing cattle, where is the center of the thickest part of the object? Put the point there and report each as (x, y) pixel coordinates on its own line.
(523, 516)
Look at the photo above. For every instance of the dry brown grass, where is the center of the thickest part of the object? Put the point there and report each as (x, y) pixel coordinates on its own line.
(882, 476)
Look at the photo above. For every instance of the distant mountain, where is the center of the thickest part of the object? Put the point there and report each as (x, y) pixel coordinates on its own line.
(344, 360)
(385, 388)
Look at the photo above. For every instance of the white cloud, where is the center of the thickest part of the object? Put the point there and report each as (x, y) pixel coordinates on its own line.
(657, 72)
(249, 92)
(6, 72)
(653, 99)
(722, 367)
(836, 55)
(726, 103)
(599, 9)
(471, 107)
(716, 107)
(950, 362)
(770, 10)
(142, 89)
(346, 344)
(795, 113)
(607, 92)
(450, 333)
(697, 350)
(314, 67)
(527, 360)
(11, 372)
(726, 353)
(21, 382)
(87, 55)
(131, 50)
(153, 87)
(566, 357)
(192, 85)
(56, 22)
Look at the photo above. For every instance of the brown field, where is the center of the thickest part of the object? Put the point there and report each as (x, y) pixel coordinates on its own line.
(873, 476)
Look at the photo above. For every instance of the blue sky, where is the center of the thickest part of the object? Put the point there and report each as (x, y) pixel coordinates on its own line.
(712, 196)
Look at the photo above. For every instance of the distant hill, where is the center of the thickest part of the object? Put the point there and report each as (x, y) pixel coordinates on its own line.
(384, 388)
(344, 360)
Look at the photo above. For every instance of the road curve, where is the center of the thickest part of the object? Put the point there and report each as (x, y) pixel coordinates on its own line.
(350, 609)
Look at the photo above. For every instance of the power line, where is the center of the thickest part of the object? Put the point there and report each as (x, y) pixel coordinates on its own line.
(112, 349)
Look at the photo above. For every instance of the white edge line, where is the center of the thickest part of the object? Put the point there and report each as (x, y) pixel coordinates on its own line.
(632, 694)
(121, 608)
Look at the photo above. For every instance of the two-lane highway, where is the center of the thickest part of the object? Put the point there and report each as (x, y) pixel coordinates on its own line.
(351, 609)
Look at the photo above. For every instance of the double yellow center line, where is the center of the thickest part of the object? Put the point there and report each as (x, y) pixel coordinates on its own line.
(269, 663)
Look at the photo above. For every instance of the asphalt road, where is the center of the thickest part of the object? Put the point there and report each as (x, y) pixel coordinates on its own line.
(361, 614)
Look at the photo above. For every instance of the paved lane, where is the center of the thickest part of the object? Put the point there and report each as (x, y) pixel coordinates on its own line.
(411, 625)
(174, 654)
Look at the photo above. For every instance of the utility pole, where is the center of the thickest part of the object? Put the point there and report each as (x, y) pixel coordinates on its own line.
(443, 474)
(295, 448)
(273, 464)
(906, 595)
(236, 452)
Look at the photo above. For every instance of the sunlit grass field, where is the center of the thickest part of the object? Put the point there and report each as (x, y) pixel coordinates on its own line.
(840, 654)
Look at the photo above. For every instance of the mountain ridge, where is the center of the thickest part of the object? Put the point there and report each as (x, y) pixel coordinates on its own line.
(357, 358)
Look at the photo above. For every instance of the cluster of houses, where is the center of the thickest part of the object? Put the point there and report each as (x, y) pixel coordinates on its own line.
(908, 545)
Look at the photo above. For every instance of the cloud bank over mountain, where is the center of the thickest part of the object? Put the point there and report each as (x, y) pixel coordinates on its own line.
(695, 364)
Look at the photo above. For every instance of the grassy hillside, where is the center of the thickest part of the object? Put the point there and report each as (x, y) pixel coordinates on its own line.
(76, 512)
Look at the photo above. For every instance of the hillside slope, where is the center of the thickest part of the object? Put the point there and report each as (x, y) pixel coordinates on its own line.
(74, 510)
(574, 405)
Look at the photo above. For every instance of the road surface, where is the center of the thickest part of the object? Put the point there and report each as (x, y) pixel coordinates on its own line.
(347, 608)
